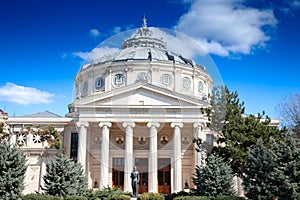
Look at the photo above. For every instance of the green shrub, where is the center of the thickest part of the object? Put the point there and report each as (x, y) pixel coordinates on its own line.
(12, 171)
(208, 198)
(75, 197)
(105, 193)
(150, 196)
(229, 198)
(215, 178)
(40, 197)
(120, 197)
(64, 177)
(193, 198)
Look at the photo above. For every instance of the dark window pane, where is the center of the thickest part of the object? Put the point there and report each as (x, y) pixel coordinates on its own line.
(116, 177)
(167, 178)
(163, 162)
(121, 178)
(144, 178)
(160, 177)
(74, 146)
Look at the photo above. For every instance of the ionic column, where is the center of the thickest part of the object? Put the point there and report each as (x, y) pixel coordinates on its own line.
(81, 156)
(13, 138)
(152, 164)
(198, 134)
(128, 155)
(29, 139)
(104, 162)
(177, 186)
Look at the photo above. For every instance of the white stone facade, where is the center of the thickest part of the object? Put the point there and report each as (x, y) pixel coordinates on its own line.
(140, 106)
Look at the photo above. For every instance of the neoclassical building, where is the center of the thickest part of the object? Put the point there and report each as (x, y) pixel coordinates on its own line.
(140, 106)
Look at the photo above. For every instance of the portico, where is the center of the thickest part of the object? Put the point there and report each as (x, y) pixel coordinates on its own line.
(148, 142)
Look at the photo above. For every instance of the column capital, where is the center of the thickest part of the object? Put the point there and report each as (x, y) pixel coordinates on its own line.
(174, 124)
(199, 124)
(155, 124)
(82, 123)
(131, 124)
(108, 124)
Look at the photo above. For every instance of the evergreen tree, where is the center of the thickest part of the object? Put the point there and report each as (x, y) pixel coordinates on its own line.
(215, 178)
(287, 171)
(51, 135)
(4, 134)
(235, 131)
(12, 171)
(64, 177)
(259, 173)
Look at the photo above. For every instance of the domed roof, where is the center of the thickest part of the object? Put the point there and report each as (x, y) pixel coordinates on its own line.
(144, 46)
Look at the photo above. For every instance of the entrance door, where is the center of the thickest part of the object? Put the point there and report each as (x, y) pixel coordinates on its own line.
(164, 175)
(118, 173)
(142, 166)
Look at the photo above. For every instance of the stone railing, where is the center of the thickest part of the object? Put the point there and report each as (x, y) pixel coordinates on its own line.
(24, 139)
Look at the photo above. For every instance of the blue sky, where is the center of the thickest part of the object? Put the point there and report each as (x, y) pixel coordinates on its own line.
(254, 43)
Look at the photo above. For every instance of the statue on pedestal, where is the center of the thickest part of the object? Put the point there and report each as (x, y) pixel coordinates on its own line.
(135, 179)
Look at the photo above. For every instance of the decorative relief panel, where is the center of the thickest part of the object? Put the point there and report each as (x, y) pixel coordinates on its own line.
(186, 83)
(99, 84)
(118, 80)
(166, 80)
(143, 77)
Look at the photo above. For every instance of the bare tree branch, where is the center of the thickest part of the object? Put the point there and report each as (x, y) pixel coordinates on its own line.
(289, 110)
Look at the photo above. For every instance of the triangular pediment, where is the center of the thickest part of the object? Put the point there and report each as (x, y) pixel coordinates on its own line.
(141, 94)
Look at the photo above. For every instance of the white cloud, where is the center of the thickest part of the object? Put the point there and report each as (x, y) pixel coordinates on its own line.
(179, 43)
(289, 6)
(94, 32)
(116, 30)
(295, 4)
(224, 27)
(24, 95)
(96, 53)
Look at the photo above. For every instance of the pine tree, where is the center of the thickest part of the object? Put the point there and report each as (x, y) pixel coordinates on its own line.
(4, 134)
(12, 171)
(259, 173)
(236, 131)
(287, 171)
(64, 177)
(51, 135)
(215, 178)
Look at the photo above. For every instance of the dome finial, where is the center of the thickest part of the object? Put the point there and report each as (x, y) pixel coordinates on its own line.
(144, 22)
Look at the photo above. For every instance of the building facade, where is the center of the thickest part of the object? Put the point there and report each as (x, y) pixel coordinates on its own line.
(140, 106)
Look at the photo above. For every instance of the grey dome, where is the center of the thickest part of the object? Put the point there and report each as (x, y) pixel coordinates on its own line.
(143, 46)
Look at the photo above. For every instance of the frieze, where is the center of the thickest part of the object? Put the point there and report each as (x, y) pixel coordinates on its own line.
(149, 110)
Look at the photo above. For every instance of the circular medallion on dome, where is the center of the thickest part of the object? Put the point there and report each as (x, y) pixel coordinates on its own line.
(166, 79)
(85, 88)
(99, 83)
(119, 80)
(200, 87)
(143, 77)
(186, 82)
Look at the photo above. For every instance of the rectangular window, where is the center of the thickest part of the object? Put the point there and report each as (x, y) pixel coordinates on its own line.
(74, 146)
(164, 175)
(118, 172)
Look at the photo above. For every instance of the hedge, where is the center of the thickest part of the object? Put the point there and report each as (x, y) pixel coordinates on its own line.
(40, 197)
(193, 198)
(150, 196)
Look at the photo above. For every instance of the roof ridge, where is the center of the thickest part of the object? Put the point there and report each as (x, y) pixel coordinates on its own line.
(43, 114)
